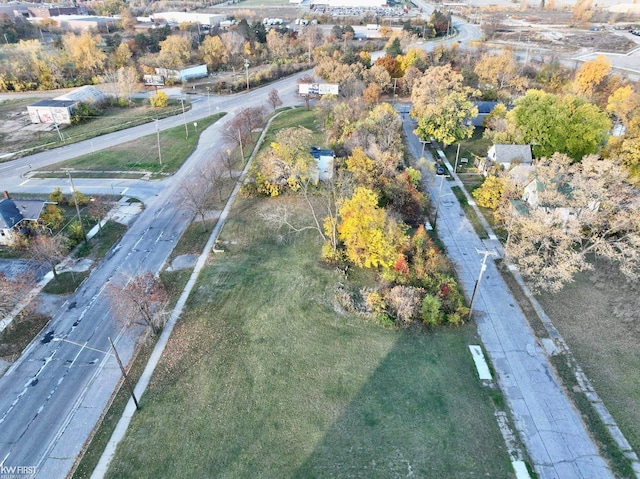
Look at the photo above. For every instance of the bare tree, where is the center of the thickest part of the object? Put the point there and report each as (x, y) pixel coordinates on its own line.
(239, 130)
(303, 80)
(51, 249)
(196, 191)
(141, 301)
(579, 209)
(322, 202)
(96, 209)
(274, 99)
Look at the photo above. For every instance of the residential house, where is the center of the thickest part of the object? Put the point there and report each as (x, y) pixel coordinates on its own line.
(324, 163)
(17, 217)
(503, 157)
(484, 109)
(533, 198)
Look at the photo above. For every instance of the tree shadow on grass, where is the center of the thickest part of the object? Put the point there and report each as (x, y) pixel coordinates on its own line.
(421, 414)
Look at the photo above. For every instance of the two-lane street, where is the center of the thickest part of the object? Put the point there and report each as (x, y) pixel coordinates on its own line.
(53, 396)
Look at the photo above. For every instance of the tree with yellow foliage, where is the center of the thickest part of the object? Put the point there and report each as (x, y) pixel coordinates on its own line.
(590, 75)
(370, 237)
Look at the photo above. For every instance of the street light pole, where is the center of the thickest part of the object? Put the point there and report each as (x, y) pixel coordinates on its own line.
(75, 196)
(483, 268)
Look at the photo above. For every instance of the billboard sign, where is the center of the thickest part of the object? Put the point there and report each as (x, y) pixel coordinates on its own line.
(154, 80)
(318, 89)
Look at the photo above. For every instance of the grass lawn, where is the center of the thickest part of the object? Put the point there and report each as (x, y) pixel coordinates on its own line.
(476, 146)
(264, 376)
(112, 119)
(142, 153)
(297, 117)
(598, 317)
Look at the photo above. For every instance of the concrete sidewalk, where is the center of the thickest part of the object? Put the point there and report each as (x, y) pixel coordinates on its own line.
(550, 428)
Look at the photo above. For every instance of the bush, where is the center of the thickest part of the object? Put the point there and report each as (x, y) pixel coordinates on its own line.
(57, 196)
(53, 217)
(75, 232)
(430, 310)
(84, 112)
(83, 200)
(159, 100)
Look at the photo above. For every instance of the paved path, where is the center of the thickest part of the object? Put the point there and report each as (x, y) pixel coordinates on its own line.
(556, 440)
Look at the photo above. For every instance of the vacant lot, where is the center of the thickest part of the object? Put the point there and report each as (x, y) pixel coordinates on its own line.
(598, 317)
(266, 377)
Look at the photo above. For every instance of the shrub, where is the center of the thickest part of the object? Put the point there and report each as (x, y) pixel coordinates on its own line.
(83, 200)
(430, 310)
(57, 196)
(75, 232)
(52, 217)
(159, 100)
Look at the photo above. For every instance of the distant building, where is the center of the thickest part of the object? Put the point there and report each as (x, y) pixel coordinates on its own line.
(187, 17)
(60, 109)
(184, 74)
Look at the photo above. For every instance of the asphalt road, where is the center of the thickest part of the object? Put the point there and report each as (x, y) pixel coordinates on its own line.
(52, 397)
(552, 431)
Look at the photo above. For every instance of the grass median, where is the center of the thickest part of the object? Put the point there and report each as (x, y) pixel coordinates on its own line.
(265, 377)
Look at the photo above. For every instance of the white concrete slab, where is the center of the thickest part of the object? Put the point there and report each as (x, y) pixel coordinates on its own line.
(481, 363)
(521, 470)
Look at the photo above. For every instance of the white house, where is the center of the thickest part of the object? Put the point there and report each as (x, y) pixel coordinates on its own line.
(324, 163)
(504, 157)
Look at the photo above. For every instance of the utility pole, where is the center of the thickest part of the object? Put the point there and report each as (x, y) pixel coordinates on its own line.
(75, 196)
(395, 85)
(246, 67)
(455, 168)
(240, 143)
(184, 116)
(483, 268)
(124, 374)
(435, 219)
(158, 136)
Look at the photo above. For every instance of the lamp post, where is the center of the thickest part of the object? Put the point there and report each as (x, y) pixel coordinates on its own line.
(246, 67)
(209, 99)
(483, 268)
(75, 197)
(195, 126)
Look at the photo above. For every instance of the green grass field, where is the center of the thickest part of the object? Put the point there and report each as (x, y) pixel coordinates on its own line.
(112, 119)
(142, 154)
(265, 377)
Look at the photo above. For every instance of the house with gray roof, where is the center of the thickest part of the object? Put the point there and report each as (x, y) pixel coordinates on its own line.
(17, 217)
(503, 157)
